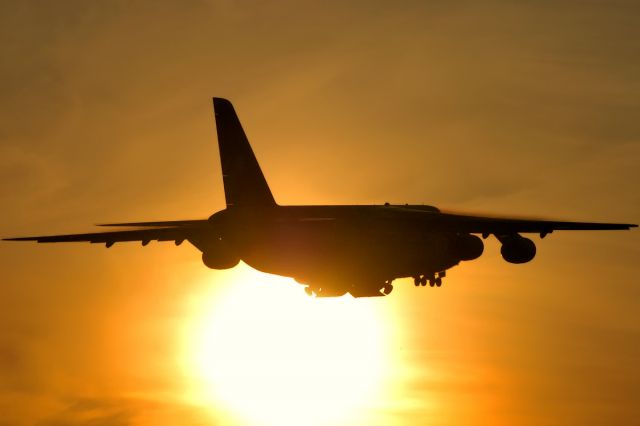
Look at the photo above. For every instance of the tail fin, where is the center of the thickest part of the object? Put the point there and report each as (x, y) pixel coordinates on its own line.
(244, 183)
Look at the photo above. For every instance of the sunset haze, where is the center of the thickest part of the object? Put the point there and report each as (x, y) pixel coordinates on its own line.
(505, 108)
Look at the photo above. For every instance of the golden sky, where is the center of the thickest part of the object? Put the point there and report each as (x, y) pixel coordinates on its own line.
(503, 107)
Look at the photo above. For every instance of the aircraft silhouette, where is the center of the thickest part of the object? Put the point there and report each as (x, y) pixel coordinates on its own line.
(331, 249)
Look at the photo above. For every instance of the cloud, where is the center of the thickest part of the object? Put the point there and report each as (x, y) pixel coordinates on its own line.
(95, 412)
(114, 411)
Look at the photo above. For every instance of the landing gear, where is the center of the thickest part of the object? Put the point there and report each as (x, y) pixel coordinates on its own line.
(420, 280)
(357, 289)
(324, 291)
(434, 280)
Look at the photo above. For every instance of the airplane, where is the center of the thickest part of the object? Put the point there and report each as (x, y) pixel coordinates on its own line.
(332, 250)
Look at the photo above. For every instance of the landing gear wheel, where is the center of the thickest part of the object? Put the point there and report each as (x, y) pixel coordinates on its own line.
(438, 281)
(417, 281)
(423, 280)
(387, 288)
(432, 282)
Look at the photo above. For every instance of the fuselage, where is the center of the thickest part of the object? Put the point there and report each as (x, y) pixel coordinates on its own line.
(341, 246)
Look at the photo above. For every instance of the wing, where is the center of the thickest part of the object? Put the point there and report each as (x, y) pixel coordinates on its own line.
(166, 223)
(166, 233)
(491, 225)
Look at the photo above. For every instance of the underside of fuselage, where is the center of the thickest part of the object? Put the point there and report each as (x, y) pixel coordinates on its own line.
(354, 249)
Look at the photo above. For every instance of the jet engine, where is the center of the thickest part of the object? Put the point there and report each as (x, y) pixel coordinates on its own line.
(218, 256)
(468, 247)
(517, 249)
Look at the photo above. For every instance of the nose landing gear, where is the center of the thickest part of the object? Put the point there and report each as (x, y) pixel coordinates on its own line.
(324, 291)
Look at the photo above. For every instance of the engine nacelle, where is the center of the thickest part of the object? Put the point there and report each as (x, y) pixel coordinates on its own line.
(517, 249)
(219, 256)
(468, 247)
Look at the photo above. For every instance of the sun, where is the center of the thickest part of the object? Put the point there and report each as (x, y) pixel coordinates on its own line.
(259, 347)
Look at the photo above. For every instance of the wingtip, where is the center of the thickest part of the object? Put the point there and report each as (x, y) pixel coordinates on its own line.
(626, 226)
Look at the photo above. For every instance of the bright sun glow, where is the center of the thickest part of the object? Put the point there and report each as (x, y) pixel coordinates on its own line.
(257, 346)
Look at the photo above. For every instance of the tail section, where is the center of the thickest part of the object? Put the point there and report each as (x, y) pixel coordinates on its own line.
(244, 183)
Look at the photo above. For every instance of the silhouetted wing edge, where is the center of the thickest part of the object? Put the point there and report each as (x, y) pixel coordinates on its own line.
(490, 225)
(167, 223)
(177, 234)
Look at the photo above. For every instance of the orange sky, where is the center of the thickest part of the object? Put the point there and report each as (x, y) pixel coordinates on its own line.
(498, 107)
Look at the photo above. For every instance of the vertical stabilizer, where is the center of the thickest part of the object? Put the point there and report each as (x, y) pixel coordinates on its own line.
(244, 183)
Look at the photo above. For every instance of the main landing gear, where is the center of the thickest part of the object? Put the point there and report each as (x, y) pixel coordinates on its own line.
(433, 279)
